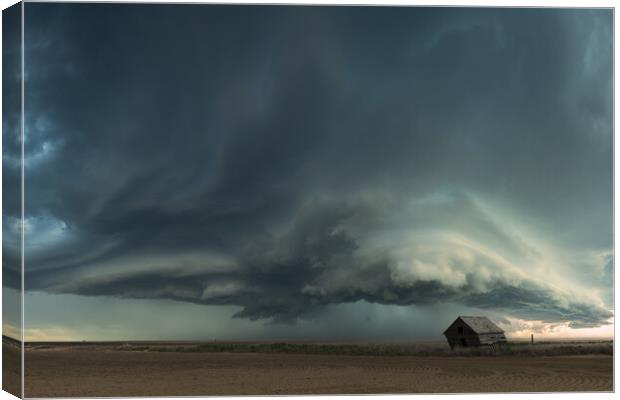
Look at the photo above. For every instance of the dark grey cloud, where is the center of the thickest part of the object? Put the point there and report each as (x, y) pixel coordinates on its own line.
(11, 145)
(333, 253)
(283, 159)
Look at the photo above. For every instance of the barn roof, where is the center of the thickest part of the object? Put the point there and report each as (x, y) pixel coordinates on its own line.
(481, 325)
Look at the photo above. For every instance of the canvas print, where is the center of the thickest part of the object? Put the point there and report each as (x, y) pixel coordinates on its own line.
(207, 200)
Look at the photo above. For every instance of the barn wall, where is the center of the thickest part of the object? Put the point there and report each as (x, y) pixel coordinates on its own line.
(453, 329)
(471, 338)
(490, 338)
(454, 337)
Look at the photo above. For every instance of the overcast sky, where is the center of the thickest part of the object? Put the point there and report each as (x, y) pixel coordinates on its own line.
(361, 173)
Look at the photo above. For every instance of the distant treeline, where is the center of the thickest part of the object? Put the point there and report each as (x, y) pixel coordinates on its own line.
(415, 349)
(10, 341)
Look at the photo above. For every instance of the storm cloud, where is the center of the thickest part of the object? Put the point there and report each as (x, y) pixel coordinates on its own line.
(338, 253)
(285, 159)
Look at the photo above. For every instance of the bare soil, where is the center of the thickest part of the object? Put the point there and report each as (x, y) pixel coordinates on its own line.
(11, 367)
(84, 371)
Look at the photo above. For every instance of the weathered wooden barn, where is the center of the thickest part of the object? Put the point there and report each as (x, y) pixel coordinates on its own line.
(474, 331)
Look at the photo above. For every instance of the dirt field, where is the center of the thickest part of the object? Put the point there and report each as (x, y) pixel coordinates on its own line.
(11, 368)
(101, 371)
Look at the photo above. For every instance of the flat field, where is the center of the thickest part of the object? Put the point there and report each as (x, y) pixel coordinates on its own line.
(148, 369)
(11, 366)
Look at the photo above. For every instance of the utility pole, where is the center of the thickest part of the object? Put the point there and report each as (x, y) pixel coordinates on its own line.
(532, 338)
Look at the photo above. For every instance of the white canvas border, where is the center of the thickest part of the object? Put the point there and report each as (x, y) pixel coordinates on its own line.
(479, 3)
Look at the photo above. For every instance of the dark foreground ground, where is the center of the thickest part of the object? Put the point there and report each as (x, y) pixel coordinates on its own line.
(11, 366)
(87, 369)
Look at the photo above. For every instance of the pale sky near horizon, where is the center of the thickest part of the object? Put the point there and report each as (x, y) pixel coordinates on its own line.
(321, 173)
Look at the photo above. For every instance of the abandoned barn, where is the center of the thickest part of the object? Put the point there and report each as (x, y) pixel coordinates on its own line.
(474, 331)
